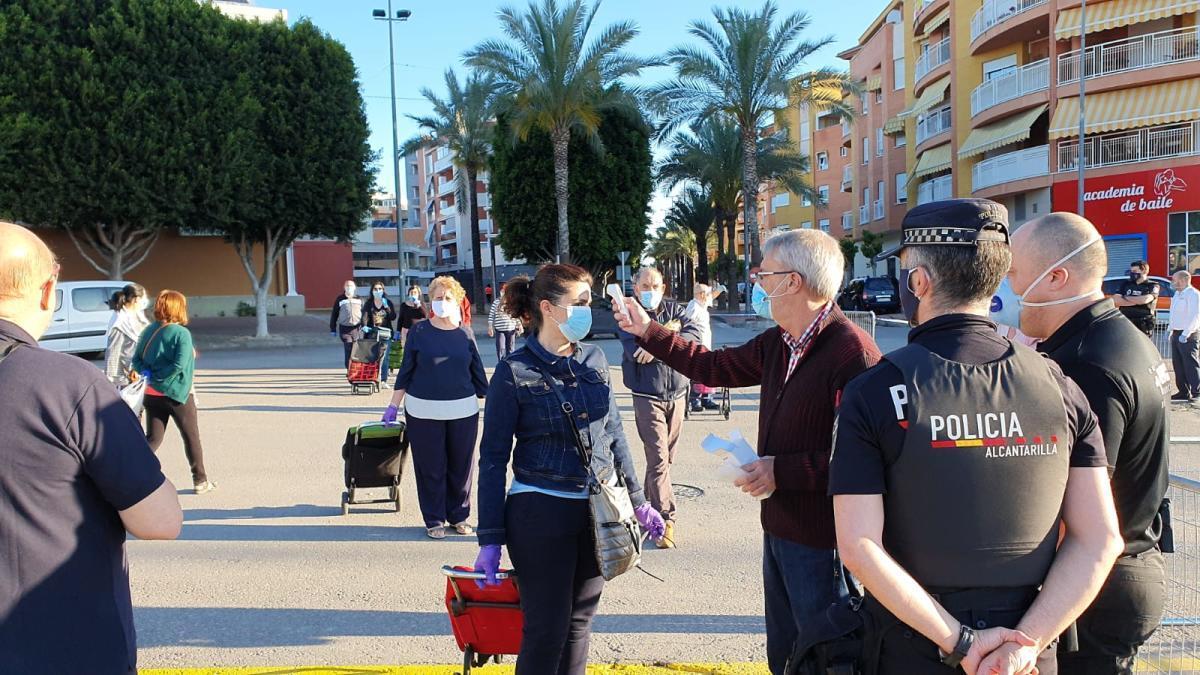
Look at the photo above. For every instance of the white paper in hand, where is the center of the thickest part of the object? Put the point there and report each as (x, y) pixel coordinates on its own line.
(739, 453)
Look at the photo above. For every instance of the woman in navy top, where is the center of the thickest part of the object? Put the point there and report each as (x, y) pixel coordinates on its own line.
(439, 382)
(545, 519)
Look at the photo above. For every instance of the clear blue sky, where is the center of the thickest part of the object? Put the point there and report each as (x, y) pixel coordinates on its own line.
(438, 33)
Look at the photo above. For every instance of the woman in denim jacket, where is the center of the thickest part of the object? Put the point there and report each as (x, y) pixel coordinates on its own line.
(544, 518)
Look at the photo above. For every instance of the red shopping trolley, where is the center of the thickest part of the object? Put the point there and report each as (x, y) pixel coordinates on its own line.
(487, 622)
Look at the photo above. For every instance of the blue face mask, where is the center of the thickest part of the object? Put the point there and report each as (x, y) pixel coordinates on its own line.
(378, 295)
(578, 323)
(1006, 306)
(650, 299)
(761, 301)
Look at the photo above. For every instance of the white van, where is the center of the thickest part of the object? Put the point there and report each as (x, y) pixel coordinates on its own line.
(81, 316)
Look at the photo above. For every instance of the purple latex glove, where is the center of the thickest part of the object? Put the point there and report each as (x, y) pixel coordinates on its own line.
(488, 562)
(651, 521)
(389, 415)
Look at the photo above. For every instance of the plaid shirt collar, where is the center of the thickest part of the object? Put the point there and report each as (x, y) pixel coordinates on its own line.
(799, 346)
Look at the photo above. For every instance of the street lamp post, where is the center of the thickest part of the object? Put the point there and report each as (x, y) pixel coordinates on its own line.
(390, 18)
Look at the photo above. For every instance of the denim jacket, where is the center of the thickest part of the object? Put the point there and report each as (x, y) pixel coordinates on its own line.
(521, 406)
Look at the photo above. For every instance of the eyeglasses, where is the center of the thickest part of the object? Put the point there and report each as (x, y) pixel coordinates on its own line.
(768, 274)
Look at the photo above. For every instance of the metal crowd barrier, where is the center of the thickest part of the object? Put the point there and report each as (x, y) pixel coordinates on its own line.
(1162, 339)
(864, 320)
(1175, 646)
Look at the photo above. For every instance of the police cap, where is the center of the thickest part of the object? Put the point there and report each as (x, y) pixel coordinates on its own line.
(952, 222)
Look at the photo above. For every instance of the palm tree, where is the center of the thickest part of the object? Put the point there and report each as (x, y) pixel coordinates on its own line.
(693, 211)
(711, 157)
(749, 71)
(560, 80)
(671, 246)
(463, 122)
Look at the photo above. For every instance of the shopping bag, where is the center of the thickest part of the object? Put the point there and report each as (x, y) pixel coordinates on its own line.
(134, 395)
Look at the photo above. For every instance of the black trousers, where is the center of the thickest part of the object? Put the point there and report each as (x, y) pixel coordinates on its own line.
(895, 649)
(1124, 615)
(1185, 358)
(348, 334)
(443, 453)
(551, 547)
(158, 410)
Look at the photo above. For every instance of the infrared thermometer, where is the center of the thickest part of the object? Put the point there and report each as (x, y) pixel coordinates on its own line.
(618, 299)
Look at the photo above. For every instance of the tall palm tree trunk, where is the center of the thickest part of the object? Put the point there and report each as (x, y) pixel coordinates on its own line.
(750, 193)
(561, 139)
(701, 261)
(479, 299)
(731, 246)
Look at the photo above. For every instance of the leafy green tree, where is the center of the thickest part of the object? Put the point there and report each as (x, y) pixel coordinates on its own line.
(610, 192)
(849, 250)
(871, 246)
(101, 114)
(747, 67)
(463, 121)
(560, 81)
(296, 140)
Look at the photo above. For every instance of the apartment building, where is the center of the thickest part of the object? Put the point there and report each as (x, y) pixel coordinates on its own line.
(995, 106)
(431, 180)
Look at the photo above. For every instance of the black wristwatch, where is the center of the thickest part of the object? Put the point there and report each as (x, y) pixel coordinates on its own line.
(966, 638)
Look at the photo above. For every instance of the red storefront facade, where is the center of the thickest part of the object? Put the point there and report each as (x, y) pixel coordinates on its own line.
(1152, 214)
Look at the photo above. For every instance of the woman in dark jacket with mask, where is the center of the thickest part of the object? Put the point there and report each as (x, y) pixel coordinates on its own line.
(380, 314)
(544, 518)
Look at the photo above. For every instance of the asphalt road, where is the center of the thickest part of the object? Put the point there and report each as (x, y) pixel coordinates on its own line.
(268, 572)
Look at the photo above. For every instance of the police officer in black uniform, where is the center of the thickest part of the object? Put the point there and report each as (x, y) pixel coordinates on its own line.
(954, 460)
(1126, 383)
(1138, 298)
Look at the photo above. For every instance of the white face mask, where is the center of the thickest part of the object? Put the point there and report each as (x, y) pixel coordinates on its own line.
(446, 309)
(1053, 266)
(142, 304)
(349, 290)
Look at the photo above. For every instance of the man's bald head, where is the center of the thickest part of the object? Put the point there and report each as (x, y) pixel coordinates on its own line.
(1042, 241)
(26, 263)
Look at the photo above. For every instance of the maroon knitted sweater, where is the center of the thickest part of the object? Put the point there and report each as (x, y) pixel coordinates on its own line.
(795, 421)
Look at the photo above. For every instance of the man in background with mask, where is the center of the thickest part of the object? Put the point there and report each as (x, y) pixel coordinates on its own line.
(345, 319)
(801, 364)
(1138, 298)
(1185, 337)
(981, 447)
(1059, 262)
(659, 395)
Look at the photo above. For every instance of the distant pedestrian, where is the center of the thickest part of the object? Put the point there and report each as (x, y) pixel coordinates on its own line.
(659, 396)
(128, 321)
(412, 311)
(1138, 299)
(1185, 337)
(703, 297)
(439, 382)
(502, 327)
(543, 517)
(77, 478)
(487, 292)
(345, 320)
(166, 358)
(379, 318)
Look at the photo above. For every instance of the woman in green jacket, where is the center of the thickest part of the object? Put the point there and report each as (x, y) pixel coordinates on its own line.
(166, 358)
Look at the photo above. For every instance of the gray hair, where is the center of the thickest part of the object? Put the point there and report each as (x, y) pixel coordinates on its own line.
(647, 269)
(814, 254)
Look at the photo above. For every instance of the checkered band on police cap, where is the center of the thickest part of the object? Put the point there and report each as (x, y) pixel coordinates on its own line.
(952, 222)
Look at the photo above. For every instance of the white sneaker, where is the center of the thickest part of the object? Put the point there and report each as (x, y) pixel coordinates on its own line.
(204, 487)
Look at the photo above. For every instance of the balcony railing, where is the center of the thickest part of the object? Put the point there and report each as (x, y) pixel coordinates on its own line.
(932, 124)
(995, 12)
(1119, 56)
(878, 209)
(936, 55)
(1015, 83)
(1028, 163)
(1143, 145)
(864, 214)
(445, 159)
(847, 178)
(847, 220)
(845, 128)
(446, 186)
(934, 190)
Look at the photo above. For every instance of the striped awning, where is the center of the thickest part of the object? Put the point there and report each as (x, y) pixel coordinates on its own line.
(932, 96)
(932, 161)
(1116, 13)
(937, 21)
(1165, 103)
(894, 126)
(999, 134)
(874, 83)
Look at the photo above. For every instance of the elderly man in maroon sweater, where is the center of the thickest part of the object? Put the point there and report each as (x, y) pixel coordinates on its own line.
(801, 365)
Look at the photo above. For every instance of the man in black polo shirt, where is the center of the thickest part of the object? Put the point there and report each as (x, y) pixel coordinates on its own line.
(1126, 383)
(1138, 299)
(981, 446)
(76, 474)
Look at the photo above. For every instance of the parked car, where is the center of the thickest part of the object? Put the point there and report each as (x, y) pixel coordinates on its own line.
(81, 316)
(603, 322)
(1112, 286)
(870, 294)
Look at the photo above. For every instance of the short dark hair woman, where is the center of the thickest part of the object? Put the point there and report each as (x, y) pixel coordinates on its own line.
(544, 519)
(124, 330)
(166, 357)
